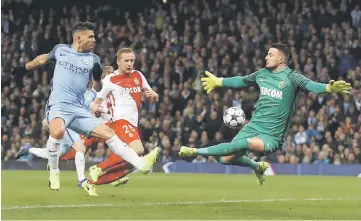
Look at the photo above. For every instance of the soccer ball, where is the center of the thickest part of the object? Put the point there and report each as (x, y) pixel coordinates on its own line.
(234, 117)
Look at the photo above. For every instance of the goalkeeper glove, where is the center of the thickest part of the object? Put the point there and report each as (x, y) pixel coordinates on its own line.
(338, 87)
(210, 82)
(97, 72)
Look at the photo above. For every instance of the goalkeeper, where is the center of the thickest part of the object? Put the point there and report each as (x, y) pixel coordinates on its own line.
(279, 86)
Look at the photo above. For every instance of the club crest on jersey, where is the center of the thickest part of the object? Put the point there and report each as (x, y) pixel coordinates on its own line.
(136, 81)
(281, 84)
(85, 61)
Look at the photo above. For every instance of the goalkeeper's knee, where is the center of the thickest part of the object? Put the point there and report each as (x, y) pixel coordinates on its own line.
(224, 160)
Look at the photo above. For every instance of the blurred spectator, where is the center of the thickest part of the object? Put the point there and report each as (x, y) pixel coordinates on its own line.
(301, 136)
(199, 159)
(356, 16)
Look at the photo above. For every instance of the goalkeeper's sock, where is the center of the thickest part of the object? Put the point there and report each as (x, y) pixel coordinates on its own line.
(242, 161)
(110, 161)
(224, 149)
(70, 155)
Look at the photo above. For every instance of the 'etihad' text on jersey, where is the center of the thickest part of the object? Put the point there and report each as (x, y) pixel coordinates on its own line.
(73, 68)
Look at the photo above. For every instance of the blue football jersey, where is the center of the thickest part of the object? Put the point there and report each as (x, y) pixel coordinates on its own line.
(72, 73)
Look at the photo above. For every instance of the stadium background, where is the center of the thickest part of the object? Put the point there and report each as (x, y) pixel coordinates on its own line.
(175, 43)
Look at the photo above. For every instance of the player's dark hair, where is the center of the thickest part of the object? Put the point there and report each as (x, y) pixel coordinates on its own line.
(283, 48)
(83, 26)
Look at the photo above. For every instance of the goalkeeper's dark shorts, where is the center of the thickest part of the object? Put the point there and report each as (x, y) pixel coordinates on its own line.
(270, 143)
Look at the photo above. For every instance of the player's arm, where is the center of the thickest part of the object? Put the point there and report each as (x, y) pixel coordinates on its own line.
(148, 91)
(211, 82)
(101, 96)
(97, 74)
(239, 82)
(39, 61)
(306, 84)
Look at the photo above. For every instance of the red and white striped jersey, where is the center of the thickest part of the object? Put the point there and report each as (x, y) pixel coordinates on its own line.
(123, 93)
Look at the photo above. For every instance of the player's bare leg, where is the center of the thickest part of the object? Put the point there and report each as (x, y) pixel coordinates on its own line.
(56, 130)
(113, 160)
(233, 154)
(121, 149)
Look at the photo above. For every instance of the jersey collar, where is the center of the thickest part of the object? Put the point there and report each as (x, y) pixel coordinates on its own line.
(283, 69)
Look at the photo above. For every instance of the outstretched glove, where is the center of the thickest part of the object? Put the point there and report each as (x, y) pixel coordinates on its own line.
(338, 87)
(97, 72)
(210, 82)
(18, 70)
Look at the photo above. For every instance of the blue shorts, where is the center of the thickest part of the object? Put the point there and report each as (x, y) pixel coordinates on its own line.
(70, 137)
(76, 118)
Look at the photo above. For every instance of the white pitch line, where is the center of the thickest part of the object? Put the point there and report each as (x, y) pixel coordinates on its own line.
(168, 203)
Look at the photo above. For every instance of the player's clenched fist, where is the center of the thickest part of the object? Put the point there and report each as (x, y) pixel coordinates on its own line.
(96, 109)
(210, 82)
(338, 87)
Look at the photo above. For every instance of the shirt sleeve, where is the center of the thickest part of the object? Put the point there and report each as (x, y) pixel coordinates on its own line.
(298, 80)
(107, 88)
(145, 84)
(238, 82)
(51, 54)
(305, 84)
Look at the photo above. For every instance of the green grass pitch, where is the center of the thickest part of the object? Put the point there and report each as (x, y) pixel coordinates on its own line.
(25, 195)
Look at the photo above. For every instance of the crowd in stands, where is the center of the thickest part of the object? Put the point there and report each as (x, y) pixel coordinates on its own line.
(174, 44)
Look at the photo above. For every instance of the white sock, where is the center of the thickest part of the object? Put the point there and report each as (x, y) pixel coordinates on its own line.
(80, 165)
(53, 146)
(124, 151)
(39, 152)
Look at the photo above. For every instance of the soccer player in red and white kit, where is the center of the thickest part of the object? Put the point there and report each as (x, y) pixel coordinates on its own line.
(123, 90)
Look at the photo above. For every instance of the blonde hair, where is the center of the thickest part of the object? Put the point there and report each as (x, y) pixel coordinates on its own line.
(107, 70)
(123, 51)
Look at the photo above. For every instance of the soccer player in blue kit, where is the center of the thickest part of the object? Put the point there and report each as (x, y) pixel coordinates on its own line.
(75, 66)
(70, 140)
